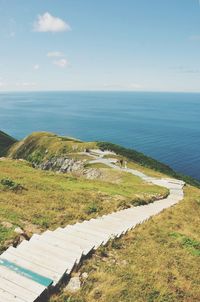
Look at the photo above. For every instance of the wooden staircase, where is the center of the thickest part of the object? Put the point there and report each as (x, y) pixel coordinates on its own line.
(34, 266)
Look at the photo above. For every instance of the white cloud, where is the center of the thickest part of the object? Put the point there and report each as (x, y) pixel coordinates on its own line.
(49, 23)
(135, 86)
(26, 84)
(36, 67)
(2, 84)
(56, 54)
(61, 63)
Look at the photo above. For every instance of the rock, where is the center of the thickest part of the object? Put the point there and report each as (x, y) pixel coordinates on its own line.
(19, 231)
(84, 275)
(62, 164)
(7, 225)
(74, 285)
(30, 229)
(92, 173)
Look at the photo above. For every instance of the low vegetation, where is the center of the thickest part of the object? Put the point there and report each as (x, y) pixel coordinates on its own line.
(156, 262)
(6, 142)
(41, 146)
(146, 161)
(37, 200)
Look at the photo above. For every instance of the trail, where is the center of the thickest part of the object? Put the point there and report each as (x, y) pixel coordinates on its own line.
(30, 270)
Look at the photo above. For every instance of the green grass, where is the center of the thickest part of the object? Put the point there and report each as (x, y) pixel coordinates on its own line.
(6, 142)
(97, 166)
(32, 198)
(158, 261)
(6, 235)
(40, 146)
(191, 244)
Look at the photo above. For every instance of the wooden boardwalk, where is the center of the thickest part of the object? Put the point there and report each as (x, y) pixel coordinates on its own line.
(34, 266)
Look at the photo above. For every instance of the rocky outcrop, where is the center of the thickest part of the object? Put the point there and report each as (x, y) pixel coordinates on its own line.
(70, 165)
(62, 164)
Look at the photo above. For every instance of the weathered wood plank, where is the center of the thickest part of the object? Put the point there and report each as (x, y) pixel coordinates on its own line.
(17, 290)
(25, 282)
(8, 297)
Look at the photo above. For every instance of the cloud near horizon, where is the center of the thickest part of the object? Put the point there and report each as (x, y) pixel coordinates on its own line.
(61, 63)
(49, 23)
(2, 84)
(25, 84)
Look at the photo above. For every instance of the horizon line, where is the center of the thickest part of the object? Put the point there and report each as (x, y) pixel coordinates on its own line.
(96, 90)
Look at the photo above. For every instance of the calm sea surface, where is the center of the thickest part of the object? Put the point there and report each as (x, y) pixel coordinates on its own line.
(165, 126)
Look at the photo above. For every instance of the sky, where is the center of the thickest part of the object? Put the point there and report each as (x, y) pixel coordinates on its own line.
(133, 45)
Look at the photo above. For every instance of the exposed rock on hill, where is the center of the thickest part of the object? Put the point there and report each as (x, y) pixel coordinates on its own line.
(62, 164)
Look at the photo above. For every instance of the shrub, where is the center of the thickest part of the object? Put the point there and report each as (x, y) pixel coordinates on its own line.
(92, 208)
(139, 202)
(36, 157)
(11, 185)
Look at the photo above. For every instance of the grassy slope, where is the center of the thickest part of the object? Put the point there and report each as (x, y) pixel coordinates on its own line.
(43, 145)
(5, 142)
(156, 262)
(147, 162)
(50, 200)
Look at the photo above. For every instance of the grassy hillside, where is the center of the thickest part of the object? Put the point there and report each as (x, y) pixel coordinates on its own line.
(37, 200)
(156, 262)
(44, 145)
(146, 161)
(5, 142)
(40, 146)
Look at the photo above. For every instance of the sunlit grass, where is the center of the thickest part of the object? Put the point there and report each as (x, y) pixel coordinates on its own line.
(156, 262)
(49, 200)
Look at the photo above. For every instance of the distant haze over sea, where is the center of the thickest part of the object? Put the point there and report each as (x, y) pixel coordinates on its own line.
(165, 126)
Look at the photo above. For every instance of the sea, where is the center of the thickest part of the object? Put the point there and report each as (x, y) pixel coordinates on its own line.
(165, 126)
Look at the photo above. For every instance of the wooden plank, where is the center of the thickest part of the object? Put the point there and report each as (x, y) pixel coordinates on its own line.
(21, 271)
(59, 241)
(42, 249)
(68, 246)
(8, 297)
(46, 261)
(87, 229)
(94, 241)
(60, 253)
(17, 290)
(32, 266)
(84, 244)
(113, 228)
(108, 229)
(23, 281)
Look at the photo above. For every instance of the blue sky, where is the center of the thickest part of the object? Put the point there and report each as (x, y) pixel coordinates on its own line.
(148, 45)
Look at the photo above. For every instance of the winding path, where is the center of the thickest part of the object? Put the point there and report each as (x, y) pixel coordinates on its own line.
(29, 270)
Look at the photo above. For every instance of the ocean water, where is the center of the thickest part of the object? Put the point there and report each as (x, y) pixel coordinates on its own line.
(165, 126)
